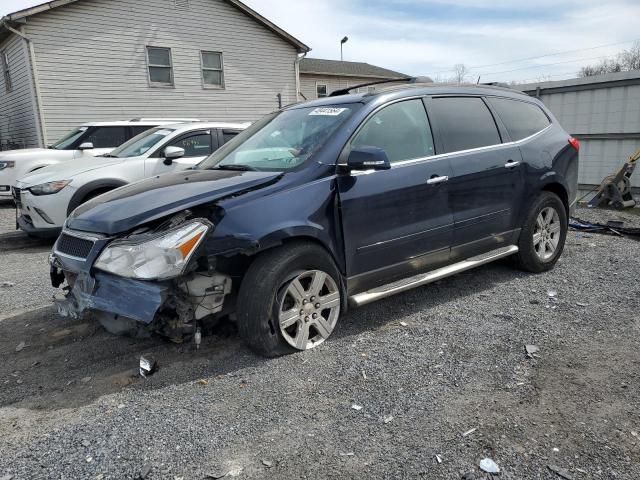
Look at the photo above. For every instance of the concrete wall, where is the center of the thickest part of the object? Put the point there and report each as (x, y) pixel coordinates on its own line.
(18, 124)
(92, 65)
(603, 112)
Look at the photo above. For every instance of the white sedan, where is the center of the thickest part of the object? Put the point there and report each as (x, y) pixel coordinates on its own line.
(45, 198)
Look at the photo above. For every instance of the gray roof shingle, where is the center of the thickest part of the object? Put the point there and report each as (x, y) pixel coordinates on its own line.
(353, 69)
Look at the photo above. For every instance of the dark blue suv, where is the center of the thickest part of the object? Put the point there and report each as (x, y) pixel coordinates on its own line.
(322, 205)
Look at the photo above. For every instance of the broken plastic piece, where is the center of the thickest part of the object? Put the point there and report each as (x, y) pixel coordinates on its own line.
(148, 366)
(489, 466)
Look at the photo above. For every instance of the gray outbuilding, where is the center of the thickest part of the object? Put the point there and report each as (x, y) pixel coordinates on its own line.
(66, 62)
(603, 112)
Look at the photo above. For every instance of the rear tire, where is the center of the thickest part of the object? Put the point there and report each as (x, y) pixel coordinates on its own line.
(543, 234)
(290, 300)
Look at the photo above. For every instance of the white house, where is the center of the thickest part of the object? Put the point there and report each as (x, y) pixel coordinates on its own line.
(67, 62)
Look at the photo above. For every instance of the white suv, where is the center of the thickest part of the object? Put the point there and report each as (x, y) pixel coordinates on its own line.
(45, 198)
(86, 141)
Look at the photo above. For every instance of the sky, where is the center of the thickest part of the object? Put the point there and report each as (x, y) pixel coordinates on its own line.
(495, 39)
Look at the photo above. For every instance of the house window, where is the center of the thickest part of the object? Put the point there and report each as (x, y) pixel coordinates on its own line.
(160, 66)
(5, 71)
(321, 90)
(212, 71)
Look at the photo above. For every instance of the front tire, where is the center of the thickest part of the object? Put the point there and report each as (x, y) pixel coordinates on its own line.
(290, 300)
(543, 234)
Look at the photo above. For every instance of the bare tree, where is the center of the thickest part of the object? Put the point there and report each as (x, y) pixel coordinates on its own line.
(460, 72)
(623, 62)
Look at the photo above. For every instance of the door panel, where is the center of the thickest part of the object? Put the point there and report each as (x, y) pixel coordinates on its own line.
(396, 222)
(486, 175)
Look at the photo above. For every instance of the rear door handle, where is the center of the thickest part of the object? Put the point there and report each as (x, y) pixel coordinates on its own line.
(511, 164)
(436, 180)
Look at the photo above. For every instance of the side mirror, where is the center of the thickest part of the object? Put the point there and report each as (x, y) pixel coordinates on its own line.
(86, 146)
(368, 158)
(172, 153)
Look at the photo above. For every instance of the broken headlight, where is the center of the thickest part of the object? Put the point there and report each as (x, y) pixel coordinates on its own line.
(158, 258)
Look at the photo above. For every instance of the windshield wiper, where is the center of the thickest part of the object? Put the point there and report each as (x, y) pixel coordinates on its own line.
(239, 168)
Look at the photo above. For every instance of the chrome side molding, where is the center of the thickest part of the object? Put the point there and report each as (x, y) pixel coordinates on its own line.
(430, 277)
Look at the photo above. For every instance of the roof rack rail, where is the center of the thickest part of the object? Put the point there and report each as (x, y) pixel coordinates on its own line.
(165, 120)
(346, 91)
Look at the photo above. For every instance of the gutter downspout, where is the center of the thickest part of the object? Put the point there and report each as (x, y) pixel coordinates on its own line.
(299, 58)
(36, 81)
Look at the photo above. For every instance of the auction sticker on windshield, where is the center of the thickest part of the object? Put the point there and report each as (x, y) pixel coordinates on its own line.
(329, 112)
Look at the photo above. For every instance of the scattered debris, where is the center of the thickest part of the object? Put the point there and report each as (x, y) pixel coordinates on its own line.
(634, 433)
(552, 293)
(534, 301)
(89, 459)
(357, 408)
(561, 472)
(20, 346)
(203, 381)
(148, 366)
(469, 476)
(556, 449)
(584, 305)
(215, 476)
(404, 324)
(387, 419)
(489, 466)
(267, 463)
(531, 350)
(197, 338)
(7, 284)
(347, 454)
(469, 432)
(86, 380)
(86, 443)
(438, 459)
(121, 406)
(364, 375)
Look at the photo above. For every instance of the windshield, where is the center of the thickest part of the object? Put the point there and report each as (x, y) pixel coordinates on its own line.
(141, 144)
(280, 141)
(69, 139)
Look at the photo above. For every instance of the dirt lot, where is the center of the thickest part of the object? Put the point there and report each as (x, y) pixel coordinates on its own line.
(425, 366)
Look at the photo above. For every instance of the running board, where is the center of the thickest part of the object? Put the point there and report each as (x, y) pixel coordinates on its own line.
(433, 276)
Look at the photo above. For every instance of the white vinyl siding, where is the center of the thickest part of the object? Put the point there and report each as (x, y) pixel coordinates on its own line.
(18, 125)
(309, 84)
(92, 62)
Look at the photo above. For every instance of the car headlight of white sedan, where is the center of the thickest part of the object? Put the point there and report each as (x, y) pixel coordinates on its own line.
(165, 256)
(49, 188)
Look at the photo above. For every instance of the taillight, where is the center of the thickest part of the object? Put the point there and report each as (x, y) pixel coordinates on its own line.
(575, 143)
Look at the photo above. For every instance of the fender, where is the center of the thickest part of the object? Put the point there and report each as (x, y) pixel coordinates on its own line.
(86, 189)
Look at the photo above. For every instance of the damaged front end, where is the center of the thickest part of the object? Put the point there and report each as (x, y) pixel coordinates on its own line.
(155, 279)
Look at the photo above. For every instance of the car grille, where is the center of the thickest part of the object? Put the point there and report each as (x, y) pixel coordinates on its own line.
(74, 246)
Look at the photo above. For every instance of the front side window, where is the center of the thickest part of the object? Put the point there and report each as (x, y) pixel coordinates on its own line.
(160, 66)
(401, 130)
(6, 72)
(106, 137)
(141, 144)
(281, 141)
(197, 144)
(321, 90)
(212, 72)
(465, 123)
(67, 142)
(522, 119)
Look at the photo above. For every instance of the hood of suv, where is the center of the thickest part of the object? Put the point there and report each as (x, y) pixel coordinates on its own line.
(133, 205)
(32, 153)
(66, 170)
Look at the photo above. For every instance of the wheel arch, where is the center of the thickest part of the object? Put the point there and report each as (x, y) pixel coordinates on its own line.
(84, 191)
(560, 190)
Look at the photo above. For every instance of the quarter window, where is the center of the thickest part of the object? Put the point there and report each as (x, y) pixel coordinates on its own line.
(160, 66)
(212, 71)
(321, 90)
(465, 123)
(522, 119)
(8, 84)
(106, 137)
(401, 130)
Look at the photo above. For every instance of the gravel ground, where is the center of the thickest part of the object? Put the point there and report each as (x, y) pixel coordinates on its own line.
(7, 216)
(425, 366)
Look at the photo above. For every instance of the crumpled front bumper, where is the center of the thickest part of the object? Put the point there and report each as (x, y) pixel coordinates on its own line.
(129, 298)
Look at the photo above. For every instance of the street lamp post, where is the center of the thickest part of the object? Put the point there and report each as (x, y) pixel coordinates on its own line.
(342, 42)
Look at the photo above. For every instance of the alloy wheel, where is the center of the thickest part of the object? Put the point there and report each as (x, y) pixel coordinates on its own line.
(308, 309)
(546, 236)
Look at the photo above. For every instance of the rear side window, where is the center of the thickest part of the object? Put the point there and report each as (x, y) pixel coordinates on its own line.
(137, 130)
(107, 137)
(195, 145)
(401, 130)
(522, 119)
(465, 123)
(228, 135)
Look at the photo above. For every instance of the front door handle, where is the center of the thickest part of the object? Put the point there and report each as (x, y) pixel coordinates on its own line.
(511, 164)
(435, 180)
